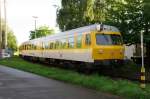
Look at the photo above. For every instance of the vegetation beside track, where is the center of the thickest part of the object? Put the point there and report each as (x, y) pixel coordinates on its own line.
(119, 87)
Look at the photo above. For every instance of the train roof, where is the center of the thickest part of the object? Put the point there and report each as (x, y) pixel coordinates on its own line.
(94, 27)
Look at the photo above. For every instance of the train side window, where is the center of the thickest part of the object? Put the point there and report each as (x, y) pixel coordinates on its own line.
(71, 42)
(54, 45)
(63, 43)
(51, 45)
(57, 44)
(87, 39)
(79, 41)
(30, 46)
(46, 45)
(26, 47)
(60, 44)
(42, 46)
(34, 46)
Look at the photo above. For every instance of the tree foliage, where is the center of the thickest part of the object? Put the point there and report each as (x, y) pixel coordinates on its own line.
(41, 31)
(127, 15)
(11, 41)
(11, 38)
(130, 16)
(72, 15)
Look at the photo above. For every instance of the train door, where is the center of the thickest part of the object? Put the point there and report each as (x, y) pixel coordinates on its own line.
(87, 40)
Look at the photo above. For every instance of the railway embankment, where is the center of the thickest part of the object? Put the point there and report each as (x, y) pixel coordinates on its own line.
(121, 87)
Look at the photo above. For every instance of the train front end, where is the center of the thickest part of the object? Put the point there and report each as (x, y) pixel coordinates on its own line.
(108, 46)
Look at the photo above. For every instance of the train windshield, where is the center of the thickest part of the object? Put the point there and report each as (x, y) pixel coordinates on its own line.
(108, 39)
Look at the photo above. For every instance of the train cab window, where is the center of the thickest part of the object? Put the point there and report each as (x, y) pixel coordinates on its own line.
(108, 39)
(88, 39)
(79, 41)
(71, 42)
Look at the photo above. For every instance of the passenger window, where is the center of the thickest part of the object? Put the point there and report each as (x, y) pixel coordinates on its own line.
(30, 46)
(46, 45)
(63, 43)
(54, 45)
(79, 41)
(87, 39)
(50, 45)
(57, 44)
(43, 47)
(35, 46)
(71, 42)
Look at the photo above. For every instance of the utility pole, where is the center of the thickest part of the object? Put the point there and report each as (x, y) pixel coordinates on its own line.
(142, 68)
(0, 28)
(5, 26)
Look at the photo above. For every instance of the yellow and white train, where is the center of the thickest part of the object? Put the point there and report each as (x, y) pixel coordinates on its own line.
(96, 44)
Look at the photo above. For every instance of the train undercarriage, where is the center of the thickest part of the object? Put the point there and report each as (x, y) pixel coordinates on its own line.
(85, 67)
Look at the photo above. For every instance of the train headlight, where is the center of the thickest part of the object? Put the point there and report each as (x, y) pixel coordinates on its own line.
(101, 51)
(98, 27)
(121, 51)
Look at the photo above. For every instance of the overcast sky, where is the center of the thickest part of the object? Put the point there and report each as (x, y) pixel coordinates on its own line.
(20, 12)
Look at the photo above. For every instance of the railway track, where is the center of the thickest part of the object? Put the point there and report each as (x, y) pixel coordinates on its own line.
(115, 72)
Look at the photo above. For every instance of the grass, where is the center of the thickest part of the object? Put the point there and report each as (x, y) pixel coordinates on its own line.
(124, 88)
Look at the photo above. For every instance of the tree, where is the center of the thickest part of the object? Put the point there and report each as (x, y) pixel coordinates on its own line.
(11, 38)
(130, 16)
(146, 15)
(72, 14)
(11, 41)
(41, 31)
(125, 14)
